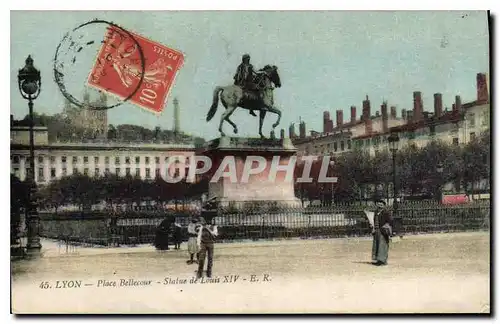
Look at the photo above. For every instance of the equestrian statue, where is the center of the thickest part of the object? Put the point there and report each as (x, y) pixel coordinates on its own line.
(252, 90)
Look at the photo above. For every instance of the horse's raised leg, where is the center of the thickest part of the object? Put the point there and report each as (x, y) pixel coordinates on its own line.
(262, 115)
(277, 112)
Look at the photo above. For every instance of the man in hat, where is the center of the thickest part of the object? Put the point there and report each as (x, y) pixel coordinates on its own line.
(244, 76)
(382, 231)
(192, 240)
(206, 238)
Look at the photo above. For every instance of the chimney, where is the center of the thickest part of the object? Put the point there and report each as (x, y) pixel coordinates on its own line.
(482, 88)
(326, 122)
(330, 126)
(418, 108)
(340, 118)
(385, 117)
(393, 112)
(403, 114)
(302, 130)
(366, 109)
(409, 116)
(291, 131)
(438, 105)
(458, 104)
(353, 114)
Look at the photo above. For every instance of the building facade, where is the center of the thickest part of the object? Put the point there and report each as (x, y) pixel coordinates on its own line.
(56, 160)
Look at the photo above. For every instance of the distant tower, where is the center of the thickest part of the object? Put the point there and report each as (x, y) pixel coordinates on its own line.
(177, 127)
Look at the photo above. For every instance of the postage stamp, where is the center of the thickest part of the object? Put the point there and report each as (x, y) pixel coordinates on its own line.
(118, 69)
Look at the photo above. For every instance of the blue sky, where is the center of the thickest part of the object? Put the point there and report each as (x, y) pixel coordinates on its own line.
(327, 60)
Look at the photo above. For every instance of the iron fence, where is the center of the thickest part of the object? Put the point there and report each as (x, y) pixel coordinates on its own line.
(267, 221)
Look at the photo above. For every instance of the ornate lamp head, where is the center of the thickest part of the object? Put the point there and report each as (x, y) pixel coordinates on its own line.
(29, 80)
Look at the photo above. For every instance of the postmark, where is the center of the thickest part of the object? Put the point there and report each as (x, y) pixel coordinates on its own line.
(118, 69)
(75, 56)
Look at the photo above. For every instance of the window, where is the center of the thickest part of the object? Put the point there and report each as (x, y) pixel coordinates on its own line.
(85, 159)
(157, 172)
(335, 146)
(64, 172)
(472, 120)
(147, 159)
(15, 159)
(137, 159)
(40, 159)
(485, 119)
(127, 160)
(16, 172)
(75, 170)
(63, 159)
(86, 171)
(106, 171)
(455, 141)
(52, 159)
(148, 173)
(117, 160)
(432, 130)
(367, 142)
(348, 144)
(127, 171)
(472, 136)
(52, 173)
(75, 159)
(106, 159)
(341, 145)
(40, 174)
(176, 173)
(157, 160)
(137, 172)
(96, 171)
(117, 171)
(96, 159)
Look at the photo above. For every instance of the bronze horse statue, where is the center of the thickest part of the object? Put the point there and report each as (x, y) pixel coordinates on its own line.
(234, 96)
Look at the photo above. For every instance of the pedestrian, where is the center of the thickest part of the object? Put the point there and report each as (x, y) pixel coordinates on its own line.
(192, 240)
(206, 238)
(381, 231)
(177, 235)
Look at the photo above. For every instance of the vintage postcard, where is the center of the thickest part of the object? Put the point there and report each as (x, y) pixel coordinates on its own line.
(250, 162)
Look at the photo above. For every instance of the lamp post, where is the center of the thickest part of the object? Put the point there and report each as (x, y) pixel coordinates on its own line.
(439, 170)
(331, 163)
(30, 84)
(393, 140)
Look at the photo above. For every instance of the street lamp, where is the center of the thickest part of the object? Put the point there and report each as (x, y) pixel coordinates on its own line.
(331, 183)
(393, 140)
(30, 84)
(439, 170)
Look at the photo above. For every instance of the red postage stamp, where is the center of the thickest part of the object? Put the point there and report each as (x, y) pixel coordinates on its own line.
(119, 67)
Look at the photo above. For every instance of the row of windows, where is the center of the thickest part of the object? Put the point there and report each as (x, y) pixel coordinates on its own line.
(97, 172)
(64, 159)
(335, 146)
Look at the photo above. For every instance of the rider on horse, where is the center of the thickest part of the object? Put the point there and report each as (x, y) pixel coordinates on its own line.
(244, 76)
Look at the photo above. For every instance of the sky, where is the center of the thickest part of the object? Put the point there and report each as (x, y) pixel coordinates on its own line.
(327, 60)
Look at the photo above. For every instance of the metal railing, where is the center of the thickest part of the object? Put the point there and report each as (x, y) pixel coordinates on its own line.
(268, 221)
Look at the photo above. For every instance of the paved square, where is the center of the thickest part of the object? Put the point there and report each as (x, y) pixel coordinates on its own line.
(426, 273)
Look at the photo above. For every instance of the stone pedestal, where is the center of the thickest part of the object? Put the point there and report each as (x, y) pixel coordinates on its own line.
(259, 187)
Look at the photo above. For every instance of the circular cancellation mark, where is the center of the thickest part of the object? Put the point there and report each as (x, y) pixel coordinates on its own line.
(77, 53)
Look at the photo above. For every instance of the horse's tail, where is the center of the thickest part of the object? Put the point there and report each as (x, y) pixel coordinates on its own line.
(215, 103)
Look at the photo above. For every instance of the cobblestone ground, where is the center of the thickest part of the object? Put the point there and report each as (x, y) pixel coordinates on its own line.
(426, 273)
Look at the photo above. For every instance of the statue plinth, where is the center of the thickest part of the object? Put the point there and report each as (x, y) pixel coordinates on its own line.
(259, 187)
